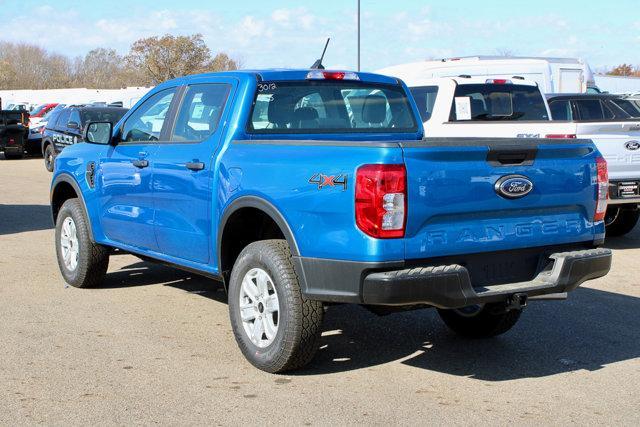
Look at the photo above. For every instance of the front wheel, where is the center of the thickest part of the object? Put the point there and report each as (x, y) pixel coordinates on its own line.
(621, 221)
(276, 328)
(480, 321)
(83, 264)
(48, 158)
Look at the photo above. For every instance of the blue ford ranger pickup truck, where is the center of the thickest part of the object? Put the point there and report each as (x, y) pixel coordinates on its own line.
(301, 189)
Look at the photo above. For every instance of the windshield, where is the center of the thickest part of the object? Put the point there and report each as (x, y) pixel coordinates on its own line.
(331, 107)
(38, 109)
(477, 102)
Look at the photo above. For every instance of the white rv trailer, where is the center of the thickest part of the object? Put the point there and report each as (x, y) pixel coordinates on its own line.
(553, 75)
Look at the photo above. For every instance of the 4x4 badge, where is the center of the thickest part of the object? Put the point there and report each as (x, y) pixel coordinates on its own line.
(322, 180)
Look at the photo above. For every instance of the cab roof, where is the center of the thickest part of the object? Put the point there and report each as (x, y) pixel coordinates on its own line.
(285, 75)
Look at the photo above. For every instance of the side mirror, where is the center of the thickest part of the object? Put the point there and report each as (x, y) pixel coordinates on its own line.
(99, 133)
(73, 125)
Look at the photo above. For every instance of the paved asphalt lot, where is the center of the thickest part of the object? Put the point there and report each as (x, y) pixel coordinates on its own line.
(154, 345)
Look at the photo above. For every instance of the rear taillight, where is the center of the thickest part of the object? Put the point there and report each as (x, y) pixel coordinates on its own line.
(381, 200)
(561, 136)
(602, 189)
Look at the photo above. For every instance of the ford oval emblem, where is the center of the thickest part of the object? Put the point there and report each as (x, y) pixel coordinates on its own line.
(632, 145)
(513, 186)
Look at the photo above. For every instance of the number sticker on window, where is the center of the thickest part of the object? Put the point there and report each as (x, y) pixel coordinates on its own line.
(262, 87)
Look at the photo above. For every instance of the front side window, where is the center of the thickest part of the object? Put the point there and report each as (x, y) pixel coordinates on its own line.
(146, 123)
(75, 117)
(560, 110)
(425, 98)
(200, 112)
(63, 119)
(112, 115)
(480, 102)
(318, 107)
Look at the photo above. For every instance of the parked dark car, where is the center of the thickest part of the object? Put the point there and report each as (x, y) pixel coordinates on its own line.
(14, 131)
(591, 106)
(66, 127)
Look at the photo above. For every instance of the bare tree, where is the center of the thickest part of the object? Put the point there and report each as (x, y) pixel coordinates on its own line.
(625, 70)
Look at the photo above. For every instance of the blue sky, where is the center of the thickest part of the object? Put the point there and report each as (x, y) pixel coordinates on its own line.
(291, 33)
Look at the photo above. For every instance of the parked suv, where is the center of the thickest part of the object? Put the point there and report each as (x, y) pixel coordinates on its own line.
(66, 127)
(300, 188)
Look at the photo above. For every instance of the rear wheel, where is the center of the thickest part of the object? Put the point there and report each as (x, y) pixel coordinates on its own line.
(480, 321)
(48, 158)
(621, 221)
(83, 264)
(276, 328)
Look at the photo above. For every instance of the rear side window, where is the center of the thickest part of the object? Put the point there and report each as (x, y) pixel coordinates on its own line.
(623, 109)
(200, 112)
(319, 107)
(560, 110)
(591, 109)
(425, 98)
(480, 102)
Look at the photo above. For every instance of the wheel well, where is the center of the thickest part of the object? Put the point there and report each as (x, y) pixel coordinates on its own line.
(245, 226)
(63, 192)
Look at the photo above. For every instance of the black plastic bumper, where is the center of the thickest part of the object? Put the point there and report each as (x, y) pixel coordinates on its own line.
(449, 286)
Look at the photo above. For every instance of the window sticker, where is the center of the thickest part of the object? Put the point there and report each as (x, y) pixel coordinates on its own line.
(463, 108)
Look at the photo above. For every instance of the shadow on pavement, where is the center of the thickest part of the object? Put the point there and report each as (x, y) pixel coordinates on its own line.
(590, 330)
(23, 218)
(144, 273)
(628, 241)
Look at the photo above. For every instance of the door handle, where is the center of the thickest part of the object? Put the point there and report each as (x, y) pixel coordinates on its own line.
(140, 163)
(195, 166)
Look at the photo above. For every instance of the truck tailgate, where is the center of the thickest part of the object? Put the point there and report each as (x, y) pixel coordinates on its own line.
(454, 206)
(619, 144)
(500, 129)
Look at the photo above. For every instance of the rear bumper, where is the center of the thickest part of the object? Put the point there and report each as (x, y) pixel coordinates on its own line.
(446, 283)
(450, 286)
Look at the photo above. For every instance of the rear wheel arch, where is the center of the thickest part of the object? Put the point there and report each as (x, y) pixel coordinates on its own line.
(261, 220)
(64, 188)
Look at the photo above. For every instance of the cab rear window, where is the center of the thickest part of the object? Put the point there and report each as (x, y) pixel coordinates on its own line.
(482, 102)
(330, 107)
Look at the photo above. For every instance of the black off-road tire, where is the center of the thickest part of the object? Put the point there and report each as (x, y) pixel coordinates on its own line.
(49, 157)
(13, 156)
(299, 319)
(489, 321)
(623, 223)
(93, 259)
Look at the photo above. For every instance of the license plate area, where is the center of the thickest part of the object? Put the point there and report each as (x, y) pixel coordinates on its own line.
(625, 189)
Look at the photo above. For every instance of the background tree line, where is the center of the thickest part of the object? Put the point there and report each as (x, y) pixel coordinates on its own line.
(149, 62)
(626, 70)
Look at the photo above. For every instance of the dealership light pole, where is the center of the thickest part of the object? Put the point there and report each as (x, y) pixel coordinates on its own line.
(358, 35)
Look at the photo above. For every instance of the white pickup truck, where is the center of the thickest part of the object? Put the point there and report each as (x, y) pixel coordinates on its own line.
(515, 108)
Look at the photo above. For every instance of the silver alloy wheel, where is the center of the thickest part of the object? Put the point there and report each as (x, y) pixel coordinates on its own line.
(69, 244)
(259, 307)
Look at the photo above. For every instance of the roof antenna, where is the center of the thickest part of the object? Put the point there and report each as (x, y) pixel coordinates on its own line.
(318, 64)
